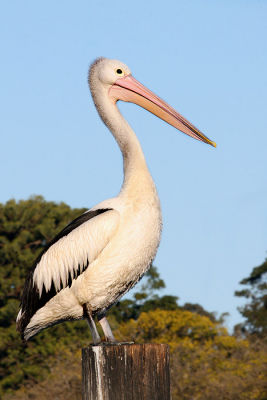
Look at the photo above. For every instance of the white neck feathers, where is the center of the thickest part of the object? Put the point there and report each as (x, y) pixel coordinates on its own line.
(134, 163)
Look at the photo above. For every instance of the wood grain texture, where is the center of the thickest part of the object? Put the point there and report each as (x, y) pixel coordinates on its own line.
(126, 372)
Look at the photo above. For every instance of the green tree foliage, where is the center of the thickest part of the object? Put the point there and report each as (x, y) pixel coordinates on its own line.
(63, 382)
(198, 309)
(25, 228)
(255, 311)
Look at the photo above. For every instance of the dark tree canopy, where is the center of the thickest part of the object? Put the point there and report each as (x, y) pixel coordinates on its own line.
(25, 228)
(255, 310)
(197, 308)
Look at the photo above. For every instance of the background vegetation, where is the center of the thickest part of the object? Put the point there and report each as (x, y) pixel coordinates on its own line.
(207, 362)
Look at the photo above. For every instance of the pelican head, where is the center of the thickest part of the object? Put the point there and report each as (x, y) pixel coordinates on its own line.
(113, 80)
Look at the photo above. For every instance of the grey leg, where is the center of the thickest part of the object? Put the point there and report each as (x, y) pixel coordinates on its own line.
(95, 336)
(106, 329)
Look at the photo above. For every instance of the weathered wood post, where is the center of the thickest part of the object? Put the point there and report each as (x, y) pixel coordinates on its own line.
(126, 372)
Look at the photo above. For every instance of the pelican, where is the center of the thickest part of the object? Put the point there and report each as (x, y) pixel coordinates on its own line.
(102, 254)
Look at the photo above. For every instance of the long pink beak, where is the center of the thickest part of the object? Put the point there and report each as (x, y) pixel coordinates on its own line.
(129, 89)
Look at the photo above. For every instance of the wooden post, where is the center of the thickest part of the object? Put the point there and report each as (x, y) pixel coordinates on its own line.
(126, 372)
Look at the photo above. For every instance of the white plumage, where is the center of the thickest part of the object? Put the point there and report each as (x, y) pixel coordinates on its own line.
(99, 256)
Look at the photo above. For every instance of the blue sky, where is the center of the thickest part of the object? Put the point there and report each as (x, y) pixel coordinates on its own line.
(208, 59)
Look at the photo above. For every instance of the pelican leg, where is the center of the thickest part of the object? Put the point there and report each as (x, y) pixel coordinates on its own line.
(88, 316)
(106, 329)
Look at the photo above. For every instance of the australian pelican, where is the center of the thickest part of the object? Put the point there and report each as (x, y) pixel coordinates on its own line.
(100, 255)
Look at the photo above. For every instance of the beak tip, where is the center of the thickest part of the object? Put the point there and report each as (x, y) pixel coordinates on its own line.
(213, 144)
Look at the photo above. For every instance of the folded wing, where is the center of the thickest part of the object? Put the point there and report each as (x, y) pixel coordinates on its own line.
(66, 257)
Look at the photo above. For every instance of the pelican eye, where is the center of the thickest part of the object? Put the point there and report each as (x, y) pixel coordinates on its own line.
(119, 71)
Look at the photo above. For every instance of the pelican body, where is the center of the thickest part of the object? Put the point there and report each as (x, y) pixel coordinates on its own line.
(103, 253)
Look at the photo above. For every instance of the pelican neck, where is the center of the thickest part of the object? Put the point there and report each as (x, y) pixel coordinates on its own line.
(134, 163)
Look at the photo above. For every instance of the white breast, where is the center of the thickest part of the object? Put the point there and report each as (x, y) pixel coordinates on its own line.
(127, 256)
